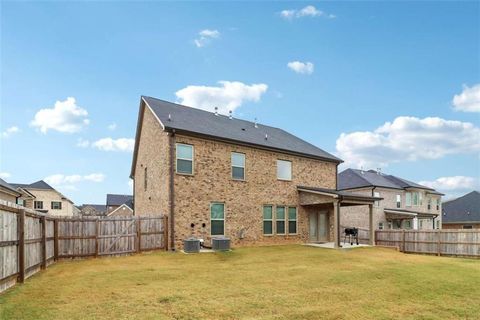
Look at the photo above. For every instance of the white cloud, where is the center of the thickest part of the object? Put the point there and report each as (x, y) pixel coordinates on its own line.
(9, 131)
(228, 96)
(205, 37)
(5, 175)
(452, 183)
(109, 144)
(112, 126)
(468, 100)
(408, 139)
(65, 116)
(64, 180)
(308, 11)
(301, 67)
(82, 143)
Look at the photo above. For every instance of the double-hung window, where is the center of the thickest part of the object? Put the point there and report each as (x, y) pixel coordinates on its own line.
(56, 205)
(267, 220)
(184, 158)
(438, 204)
(292, 220)
(377, 195)
(284, 170)
(217, 219)
(408, 199)
(280, 220)
(238, 166)
(38, 204)
(429, 203)
(416, 200)
(399, 201)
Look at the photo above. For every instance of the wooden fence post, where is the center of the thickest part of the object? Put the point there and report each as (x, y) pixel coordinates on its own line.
(139, 235)
(55, 239)
(97, 230)
(43, 221)
(403, 240)
(165, 232)
(21, 245)
(439, 249)
(375, 237)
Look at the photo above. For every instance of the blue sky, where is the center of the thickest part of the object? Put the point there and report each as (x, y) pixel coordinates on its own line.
(373, 82)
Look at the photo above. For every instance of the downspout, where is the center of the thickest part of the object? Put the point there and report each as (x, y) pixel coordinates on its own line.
(172, 191)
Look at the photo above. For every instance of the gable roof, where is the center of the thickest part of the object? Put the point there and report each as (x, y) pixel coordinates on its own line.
(99, 207)
(119, 199)
(7, 186)
(463, 209)
(354, 178)
(40, 184)
(192, 121)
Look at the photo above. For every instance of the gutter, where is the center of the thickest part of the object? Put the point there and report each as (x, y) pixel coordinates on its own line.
(172, 191)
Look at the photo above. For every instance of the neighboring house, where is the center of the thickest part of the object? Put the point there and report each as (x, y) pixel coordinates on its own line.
(119, 205)
(42, 197)
(215, 175)
(8, 192)
(463, 212)
(405, 204)
(98, 210)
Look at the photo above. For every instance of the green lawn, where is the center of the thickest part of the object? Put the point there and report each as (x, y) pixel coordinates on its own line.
(279, 282)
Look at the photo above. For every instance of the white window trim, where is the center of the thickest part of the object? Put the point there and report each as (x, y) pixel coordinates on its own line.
(244, 166)
(406, 199)
(224, 216)
(284, 220)
(37, 201)
(291, 170)
(177, 158)
(288, 221)
(271, 220)
(399, 196)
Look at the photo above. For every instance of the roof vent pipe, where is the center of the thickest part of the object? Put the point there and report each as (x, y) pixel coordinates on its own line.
(379, 171)
(361, 170)
(216, 111)
(256, 124)
(169, 117)
(266, 136)
(230, 115)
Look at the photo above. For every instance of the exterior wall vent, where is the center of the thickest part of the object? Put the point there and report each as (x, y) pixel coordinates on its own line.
(221, 244)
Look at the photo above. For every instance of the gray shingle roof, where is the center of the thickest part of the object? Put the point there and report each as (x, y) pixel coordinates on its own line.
(40, 184)
(195, 121)
(8, 186)
(119, 199)
(354, 178)
(98, 207)
(463, 209)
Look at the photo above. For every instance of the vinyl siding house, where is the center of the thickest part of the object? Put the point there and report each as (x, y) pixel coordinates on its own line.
(44, 198)
(405, 204)
(462, 213)
(215, 175)
(8, 192)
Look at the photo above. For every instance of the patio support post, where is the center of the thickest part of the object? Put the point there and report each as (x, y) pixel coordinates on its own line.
(370, 223)
(336, 224)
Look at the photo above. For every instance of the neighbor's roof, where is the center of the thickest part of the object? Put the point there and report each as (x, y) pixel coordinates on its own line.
(36, 185)
(463, 209)
(119, 199)
(98, 207)
(8, 186)
(354, 179)
(199, 122)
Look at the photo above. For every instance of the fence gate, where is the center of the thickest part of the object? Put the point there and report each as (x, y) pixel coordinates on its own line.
(117, 236)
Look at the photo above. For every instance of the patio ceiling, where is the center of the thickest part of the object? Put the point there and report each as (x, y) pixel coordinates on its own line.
(325, 197)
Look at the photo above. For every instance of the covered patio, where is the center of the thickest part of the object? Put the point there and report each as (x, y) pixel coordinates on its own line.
(315, 199)
(401, 215)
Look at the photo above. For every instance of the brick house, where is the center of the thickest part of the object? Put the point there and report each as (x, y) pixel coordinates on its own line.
(93, 210)
(216, 175)
(463, 212)
(42, 197)
(119, 205)
(405, 204)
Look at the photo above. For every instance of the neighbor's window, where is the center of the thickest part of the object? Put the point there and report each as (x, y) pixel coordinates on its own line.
(292, 220)
(238, 166)
(389, 225)
(429, 203)
(420, 224)
(380, 225)
(21, 202)
(438, 224)
(399, 201)
(408, 224)
(280, 220)
(438, 204)
(184, 158)
(284, 170)
(415, 198)
(420, 198)
(38, 204)
(467, 227)
(267, 220)
(217, 219)
(377, 195)
(408, 199)
(145, 179)
(57, 205)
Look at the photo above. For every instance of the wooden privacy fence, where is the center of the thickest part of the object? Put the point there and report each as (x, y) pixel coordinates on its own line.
(447, 242)
(30, 241)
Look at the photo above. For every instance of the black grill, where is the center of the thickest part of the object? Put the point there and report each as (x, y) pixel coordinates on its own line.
(351, 234)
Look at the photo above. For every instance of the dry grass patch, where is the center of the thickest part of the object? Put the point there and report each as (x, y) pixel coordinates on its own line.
(281, 282)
